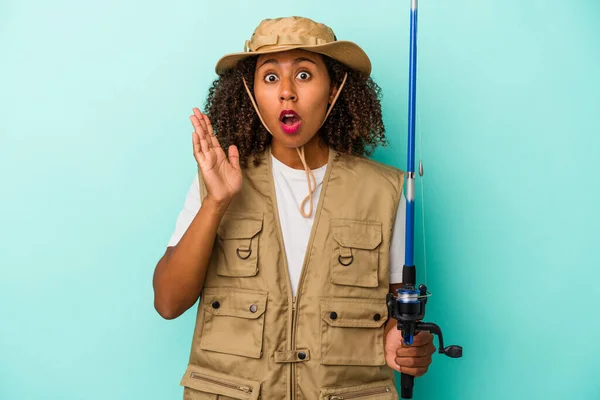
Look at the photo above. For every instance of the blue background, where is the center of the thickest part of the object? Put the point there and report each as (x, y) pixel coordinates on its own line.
(95, 162)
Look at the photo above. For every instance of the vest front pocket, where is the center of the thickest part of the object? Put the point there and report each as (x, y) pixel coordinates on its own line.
(355, 260)
(383, 390)
(204, 384)
(237, 244)
(352, 331)
(233, 321)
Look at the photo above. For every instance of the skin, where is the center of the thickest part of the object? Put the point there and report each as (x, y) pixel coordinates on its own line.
(293, 80)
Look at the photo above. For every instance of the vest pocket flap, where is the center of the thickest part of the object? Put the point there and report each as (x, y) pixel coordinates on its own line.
(240, 226)
(354, 313)
(356, 234)
(209, 381)
(239, 303)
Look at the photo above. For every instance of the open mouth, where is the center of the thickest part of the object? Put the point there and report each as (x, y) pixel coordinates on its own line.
(290, 121)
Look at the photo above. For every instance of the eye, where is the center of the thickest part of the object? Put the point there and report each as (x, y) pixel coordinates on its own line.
(303, 76)
(269, 78)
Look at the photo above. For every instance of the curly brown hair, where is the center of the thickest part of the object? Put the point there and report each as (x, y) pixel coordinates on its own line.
(354, 126)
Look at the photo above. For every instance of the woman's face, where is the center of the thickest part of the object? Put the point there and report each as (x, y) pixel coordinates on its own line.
(292, 91)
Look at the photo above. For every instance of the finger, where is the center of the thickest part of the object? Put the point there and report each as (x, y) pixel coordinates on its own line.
(414, 362)
(416, 372)
(422, 338)
(211, 132)
(197, 146)
(204, 143)
(200, 117)
(199, 132)
(416, 351)
(197, 126)
(197, 113)
(412, 351)
(201, 126)
(234, 156)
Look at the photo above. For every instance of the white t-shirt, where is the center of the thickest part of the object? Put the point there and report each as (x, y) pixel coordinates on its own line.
(291, 187)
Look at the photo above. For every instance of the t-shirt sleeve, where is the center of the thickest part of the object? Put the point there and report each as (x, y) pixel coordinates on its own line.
(398, 243)
(187, 214)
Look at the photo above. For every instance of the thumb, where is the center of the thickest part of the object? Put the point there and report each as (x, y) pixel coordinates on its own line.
(234, 156)
(393, 340)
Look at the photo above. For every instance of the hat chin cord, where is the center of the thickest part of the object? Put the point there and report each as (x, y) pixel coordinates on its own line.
(312, 182)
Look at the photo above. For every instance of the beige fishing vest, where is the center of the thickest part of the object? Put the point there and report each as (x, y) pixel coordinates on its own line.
(253, 339)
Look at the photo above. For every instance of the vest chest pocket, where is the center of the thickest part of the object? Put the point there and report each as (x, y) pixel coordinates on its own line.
(237, 244)
(355, 260)
(352, 331)
(233, 321)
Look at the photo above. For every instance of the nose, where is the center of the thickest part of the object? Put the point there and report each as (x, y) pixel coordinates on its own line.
(288, 91)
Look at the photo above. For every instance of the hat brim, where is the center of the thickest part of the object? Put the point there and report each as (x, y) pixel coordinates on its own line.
(346, 52)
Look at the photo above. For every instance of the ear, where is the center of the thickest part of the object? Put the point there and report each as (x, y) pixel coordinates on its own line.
(332, 92)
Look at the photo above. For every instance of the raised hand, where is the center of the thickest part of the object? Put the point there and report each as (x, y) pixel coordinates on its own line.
(222, 174)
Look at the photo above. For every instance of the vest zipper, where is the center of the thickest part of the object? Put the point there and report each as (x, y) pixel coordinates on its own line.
(229, 385)
(359, 394)
(311, 239)
(293, 365)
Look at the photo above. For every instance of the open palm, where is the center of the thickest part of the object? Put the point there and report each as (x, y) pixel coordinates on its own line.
(222, 174)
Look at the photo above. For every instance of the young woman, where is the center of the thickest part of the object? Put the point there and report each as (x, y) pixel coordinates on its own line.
(293, 239)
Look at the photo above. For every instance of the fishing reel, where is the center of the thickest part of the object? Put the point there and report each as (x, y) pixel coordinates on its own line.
(408, 308)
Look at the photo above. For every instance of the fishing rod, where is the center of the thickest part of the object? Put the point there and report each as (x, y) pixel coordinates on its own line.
(408, 305)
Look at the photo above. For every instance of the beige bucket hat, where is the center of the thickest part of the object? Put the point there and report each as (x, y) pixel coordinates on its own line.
(289, 33)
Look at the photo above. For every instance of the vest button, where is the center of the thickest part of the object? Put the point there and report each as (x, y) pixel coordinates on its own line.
(377, 317)
(253, 308)
(216, 304)
(333, 315)
(302, 355)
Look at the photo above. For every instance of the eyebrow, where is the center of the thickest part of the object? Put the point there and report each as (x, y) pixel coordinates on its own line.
(296, 61)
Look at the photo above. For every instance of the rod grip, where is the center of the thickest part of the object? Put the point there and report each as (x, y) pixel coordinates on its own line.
(407, 382)
(409, 275)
